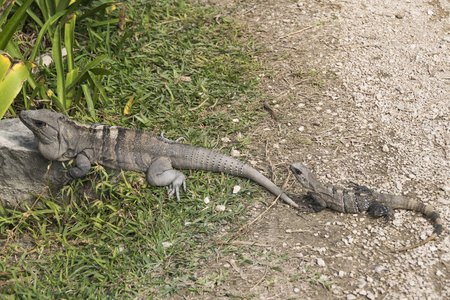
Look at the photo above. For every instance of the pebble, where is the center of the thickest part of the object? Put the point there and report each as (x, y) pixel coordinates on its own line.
(379, 269)
(446, 188)
(400, 15)
(370, 296)
(220, 208)
(235, 153)
(166, 244)
(321, 262)
(362, 283)
(236, 189)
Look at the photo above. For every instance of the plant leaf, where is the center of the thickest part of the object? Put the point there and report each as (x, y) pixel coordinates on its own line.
(13, 76)
(127, 109)
(13, 23)
(60, 78)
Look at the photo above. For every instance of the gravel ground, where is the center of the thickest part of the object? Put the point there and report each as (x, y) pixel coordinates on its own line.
(362, 93)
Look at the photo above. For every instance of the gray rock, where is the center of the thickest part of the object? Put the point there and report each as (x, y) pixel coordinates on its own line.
(23, 169)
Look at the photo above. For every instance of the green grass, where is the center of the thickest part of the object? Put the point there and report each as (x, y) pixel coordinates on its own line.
(191, 72)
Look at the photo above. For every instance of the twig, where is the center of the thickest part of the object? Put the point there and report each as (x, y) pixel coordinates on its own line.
(271, 112)
(262, 278)
(295, 32)
(244, 243)
(245, 226)
(200, 105)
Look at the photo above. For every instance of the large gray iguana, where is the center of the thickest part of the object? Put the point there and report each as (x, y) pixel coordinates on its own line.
(360, 199)
(60, 139)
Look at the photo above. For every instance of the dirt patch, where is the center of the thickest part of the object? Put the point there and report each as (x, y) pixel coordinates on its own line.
(360, 92)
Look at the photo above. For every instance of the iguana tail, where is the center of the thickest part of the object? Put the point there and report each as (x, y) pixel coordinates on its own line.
(411, 204)
(190, 157)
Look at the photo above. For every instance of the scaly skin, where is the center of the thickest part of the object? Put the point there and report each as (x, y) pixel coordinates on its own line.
(360, 199)
(60, 138)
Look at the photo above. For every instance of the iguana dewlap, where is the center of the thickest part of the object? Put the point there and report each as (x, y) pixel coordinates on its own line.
(360, 199)
(59, 138)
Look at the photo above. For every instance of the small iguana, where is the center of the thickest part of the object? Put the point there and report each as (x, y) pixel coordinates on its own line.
(360, 199)
(60, 139)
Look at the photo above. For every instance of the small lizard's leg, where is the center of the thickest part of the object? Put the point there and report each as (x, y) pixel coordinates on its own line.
(319, 203)
(161, 173)
(377, 209)
(83, 166)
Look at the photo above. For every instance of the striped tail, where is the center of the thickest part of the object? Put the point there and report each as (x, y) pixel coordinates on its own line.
(196, 158)
(411, 204)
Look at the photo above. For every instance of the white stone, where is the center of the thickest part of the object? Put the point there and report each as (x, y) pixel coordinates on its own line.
(321, 262)
(236, 189)
(220, 208)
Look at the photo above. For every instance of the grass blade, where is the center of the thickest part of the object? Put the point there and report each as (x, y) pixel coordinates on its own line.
(90, 103)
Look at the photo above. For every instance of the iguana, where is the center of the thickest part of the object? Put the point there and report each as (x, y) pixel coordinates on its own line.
(360, 199)
(60, 139)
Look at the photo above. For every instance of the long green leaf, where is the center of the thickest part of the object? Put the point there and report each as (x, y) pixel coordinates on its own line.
(90, 104)
(70, 77)
(13, 23)
(62, 4)
(43, 31)
(42, 4)
(49, 22)
(51, 7)
(83, 72)
(99, 87)
(101, 7)
(60, 77)
(69, 38)
(33, 15)
(13, 49)
(5, 13)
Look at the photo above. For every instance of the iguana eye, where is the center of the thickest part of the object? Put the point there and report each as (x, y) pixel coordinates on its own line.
(39, 123)
(298, 172)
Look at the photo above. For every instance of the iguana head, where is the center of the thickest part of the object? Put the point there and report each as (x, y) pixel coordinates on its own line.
(304, 176)
(47, 127)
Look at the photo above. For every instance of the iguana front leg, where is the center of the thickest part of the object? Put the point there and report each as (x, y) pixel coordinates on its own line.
(83, 165)
(375, 209)
(161, 173)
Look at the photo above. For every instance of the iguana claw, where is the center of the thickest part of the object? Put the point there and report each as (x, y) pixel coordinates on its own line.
(174, 188)
(170, 141)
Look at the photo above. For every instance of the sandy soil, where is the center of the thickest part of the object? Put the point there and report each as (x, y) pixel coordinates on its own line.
(361, 92)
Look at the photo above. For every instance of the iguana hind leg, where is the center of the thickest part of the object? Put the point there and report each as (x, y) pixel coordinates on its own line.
(161, 173)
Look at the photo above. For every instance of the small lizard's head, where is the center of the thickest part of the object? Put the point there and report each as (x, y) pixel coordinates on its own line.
(46, 127)
(303, 175)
